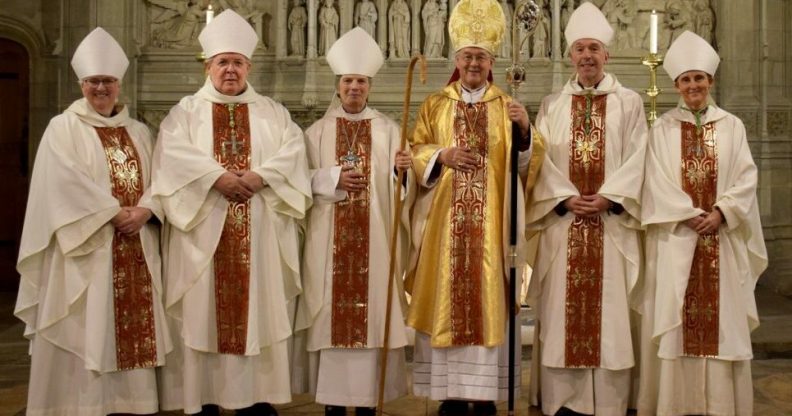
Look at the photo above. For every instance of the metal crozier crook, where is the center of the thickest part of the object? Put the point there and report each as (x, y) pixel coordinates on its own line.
(526, 16)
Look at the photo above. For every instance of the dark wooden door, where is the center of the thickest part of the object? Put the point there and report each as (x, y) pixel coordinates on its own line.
(14, 110)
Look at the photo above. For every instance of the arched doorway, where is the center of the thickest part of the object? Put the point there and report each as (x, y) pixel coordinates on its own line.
(14, 108)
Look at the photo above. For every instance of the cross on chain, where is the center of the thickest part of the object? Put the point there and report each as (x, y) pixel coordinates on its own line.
(232, 125)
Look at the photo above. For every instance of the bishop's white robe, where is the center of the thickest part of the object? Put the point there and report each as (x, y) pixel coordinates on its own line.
(673, 383)
(349, 376)
(184, 172)
(66, 294)
(625, 135)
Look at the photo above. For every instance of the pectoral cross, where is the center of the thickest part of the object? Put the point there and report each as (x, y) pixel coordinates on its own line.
(232, 126)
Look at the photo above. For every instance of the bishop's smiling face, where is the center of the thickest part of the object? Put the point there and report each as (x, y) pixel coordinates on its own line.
(589, 57)
(102, 92)
(694, 87)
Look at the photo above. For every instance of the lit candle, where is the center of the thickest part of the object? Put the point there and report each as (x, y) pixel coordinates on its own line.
(653, 32)
(209, 14)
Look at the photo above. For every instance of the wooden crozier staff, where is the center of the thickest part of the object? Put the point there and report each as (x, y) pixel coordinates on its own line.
(395, 227)
(526, 16)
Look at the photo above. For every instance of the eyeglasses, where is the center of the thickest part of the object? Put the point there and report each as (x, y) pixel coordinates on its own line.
(96, 82)
(475, 58)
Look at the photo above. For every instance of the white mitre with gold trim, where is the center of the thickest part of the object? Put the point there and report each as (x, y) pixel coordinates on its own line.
(356, 52)
(99, 54)
(228, 33)
(690, 52)
(478, 24)
(588, 22)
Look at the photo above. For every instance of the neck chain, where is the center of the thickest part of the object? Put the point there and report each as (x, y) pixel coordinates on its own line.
(351, 157)
(697, 114)
(470, 137)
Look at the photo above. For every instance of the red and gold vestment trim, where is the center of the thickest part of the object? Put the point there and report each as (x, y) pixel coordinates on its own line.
(231, 128)
(585, 249)
(468, 222)
(351, 240)
(700, 181)
(133, 297)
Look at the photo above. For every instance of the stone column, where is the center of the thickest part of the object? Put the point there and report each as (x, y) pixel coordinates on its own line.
(382, 24)
(556, 25)
(346, 12)
(313, 9)
(415, 48)
(281, 29)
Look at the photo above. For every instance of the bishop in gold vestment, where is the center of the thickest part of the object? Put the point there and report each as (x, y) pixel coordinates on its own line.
(461, 148)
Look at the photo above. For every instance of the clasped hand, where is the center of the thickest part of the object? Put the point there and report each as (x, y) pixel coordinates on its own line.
(239, 186)
(587, 205)
(459, 158)
(130, 220)
(706, 223)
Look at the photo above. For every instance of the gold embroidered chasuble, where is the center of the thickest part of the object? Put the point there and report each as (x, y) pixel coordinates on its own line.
(585, 249)
(231, 128)
(133, 297)
(458, 285)
(700, 320)
(351, 240)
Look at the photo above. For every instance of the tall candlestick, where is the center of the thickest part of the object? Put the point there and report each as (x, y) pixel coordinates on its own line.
(209, 14)
(653, 32)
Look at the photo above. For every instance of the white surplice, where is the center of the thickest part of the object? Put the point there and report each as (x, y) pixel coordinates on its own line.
(184, 172)
(625, 144)
(672, 383)
(354, 383)
(65, 260)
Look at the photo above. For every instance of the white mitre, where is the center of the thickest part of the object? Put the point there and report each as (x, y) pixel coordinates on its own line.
(356, 52)
(99, 54)
(228, 33)
(588, 22)
(690, 52)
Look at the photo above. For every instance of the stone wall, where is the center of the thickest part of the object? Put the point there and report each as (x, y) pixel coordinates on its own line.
(754, 80)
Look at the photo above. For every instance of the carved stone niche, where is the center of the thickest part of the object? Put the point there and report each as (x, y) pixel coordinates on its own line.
(175, 24)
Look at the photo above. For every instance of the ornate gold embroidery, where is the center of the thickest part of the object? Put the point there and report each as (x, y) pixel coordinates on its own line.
(468, 219)
(702, 299)
(136, 341)
(585, 236)
(351, 241)
(231, 125)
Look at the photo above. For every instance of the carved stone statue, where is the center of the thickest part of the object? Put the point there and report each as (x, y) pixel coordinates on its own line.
(540, 35)
(399, 29)
(298, 18)
(506, 46)
(678, 19)
(175, 23)
(621, 14)
(434, 18)
(366, 17)
(705, 19)
(567, 7)
(328, 26)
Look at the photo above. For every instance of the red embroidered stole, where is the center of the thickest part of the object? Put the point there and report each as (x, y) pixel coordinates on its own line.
(585, 236)
(133, 297)
(351, 240)
(231, 126)
(700, 181)
(468, 218)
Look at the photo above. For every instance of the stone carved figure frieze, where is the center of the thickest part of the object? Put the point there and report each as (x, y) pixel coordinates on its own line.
(434, 22)
(366, 17)
(621, 15)
(399, 29)
(567, 7)
(175, 24)
(297, 20)
(704, 19)
(539, 44)
(328, 26)
(678, 18)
